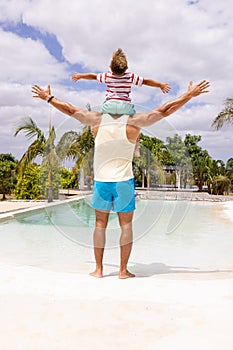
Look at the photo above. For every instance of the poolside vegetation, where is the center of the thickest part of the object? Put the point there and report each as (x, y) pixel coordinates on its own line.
(173, 164)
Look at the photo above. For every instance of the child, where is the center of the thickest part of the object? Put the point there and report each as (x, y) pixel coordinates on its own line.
(119, 83)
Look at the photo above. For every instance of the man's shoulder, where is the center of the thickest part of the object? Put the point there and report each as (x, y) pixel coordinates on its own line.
(145, 119)
(88, 118)
(136, 118)
(97, 116)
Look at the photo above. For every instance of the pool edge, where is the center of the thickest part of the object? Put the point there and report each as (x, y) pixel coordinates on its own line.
(10, 215)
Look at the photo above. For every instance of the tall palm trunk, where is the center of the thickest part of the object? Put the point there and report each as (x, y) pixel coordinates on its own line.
(50, 181)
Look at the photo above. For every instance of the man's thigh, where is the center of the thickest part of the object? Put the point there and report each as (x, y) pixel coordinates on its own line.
(124, 196)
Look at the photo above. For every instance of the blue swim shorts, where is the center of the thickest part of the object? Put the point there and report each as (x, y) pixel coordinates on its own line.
(117, 107)
(116, 196)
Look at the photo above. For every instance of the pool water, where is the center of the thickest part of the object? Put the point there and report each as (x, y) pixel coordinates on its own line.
(168, 236)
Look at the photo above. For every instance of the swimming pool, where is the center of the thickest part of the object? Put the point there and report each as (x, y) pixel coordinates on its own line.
(168, 236)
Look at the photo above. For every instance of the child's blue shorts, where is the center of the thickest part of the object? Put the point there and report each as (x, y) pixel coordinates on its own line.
(117, 107)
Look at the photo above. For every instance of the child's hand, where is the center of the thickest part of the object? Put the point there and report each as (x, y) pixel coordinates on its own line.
(76, 76)
(165, 88)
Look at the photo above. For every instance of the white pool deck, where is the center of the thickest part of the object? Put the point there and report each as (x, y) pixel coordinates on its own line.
(54, 310)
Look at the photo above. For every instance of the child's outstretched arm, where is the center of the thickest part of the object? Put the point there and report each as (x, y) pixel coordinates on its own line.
(163, 86)
(87, 76)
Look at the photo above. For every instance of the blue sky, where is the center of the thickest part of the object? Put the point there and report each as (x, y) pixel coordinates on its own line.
(174, 41)
(27, 31)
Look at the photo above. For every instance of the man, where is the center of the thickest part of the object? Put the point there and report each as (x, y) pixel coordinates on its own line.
(115, 139)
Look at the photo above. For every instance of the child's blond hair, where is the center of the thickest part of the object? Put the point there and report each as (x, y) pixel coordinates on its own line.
(119, 62)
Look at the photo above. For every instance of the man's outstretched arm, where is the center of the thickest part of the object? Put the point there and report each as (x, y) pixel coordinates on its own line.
(193, 91)
(85, 117)
(147, 119)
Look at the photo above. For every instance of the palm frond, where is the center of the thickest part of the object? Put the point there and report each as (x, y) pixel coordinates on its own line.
(68, 145)
(225, 116)
(30, 128)
(34, 150)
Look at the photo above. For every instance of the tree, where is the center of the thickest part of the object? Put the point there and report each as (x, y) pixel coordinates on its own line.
(221, 185)
(28, 184)
(29, 127)
(147, 166)
(218, 167)
(86, 151)
(80, 148)
(41, 147)
(67, 179)
(51, 168)
(229, 170)
(201, 161)
(50, 177)
(180, 158)
(7, 157)
(7, 174)
(225, 116)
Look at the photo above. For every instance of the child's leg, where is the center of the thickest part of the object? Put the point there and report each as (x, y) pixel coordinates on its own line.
(117, 108)
(109, 107)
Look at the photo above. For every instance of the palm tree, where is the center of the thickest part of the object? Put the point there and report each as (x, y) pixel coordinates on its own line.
(145, 163)
(36, 148)
(78, 147)
(201, 163)
(72, 145)
(225, 116)
(41, 147)
(149, 167)
(229, 170)
(221, 185)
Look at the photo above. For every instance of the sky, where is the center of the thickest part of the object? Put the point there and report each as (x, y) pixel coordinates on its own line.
(174, 41)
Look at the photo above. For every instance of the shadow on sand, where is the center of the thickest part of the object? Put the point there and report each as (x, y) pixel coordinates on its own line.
(149, 270)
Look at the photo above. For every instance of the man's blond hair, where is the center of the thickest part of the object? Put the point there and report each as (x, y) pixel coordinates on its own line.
(119, 62)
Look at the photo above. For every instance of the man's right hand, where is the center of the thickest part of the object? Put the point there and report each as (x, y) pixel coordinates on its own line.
(199, 88)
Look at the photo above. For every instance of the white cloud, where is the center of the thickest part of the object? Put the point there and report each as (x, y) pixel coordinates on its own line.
(195, 118)
(218, 144)
(24, 60)
(165, 40)
(14, 110)
(12, 10)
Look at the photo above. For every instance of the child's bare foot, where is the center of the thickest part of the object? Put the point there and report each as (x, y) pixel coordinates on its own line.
(97, 273)
(125, 274)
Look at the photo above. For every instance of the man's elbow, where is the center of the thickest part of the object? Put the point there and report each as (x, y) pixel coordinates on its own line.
(162, 112)
(80, 115)
(71, 110)
(152, 118)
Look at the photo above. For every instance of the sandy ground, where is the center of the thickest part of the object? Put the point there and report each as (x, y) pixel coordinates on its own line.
(228, 210)
(45, 310)
(53, 310)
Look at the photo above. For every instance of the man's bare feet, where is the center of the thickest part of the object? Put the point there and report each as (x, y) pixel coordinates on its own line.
(125, 274)
(97, 273)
